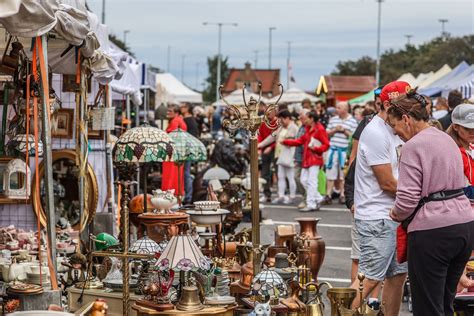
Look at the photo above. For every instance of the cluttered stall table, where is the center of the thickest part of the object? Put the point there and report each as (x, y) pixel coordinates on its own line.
(217, 311)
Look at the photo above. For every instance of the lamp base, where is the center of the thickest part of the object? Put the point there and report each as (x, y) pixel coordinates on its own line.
(155, 306)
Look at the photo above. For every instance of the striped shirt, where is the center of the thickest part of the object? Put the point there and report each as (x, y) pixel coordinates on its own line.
(340, 139)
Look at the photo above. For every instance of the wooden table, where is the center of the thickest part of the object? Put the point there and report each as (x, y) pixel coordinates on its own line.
(216, 311)
(114, 300)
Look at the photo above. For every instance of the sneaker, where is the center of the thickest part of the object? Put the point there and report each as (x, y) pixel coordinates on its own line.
(342, 199)
(327, 200)
(306, 209)
(263, 199)
(278, 200)
(288, 200)
(374, 304)
(302, 205)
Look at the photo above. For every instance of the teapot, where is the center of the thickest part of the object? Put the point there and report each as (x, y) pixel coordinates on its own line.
(163, 200)
(13, 272)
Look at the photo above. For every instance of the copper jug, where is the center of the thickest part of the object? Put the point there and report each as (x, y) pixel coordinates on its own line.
(317, 246)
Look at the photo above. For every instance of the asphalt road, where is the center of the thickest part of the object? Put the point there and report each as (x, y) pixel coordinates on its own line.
(334, 227)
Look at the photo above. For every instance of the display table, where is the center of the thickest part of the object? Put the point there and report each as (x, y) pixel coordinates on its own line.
(114, 300)
(216, 311)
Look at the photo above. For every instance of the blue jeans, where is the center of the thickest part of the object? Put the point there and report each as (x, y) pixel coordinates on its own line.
(188, 183)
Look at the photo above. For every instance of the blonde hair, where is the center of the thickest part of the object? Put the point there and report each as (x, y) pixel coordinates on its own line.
(455, 136)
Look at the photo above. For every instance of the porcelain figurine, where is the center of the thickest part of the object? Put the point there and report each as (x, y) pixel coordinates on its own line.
(262, 309)
(163, 201)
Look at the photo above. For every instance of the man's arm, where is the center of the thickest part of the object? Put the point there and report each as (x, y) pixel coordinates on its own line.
(355, 145)
(385, 178)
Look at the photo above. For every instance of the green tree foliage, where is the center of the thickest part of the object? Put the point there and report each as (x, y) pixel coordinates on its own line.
(114, 39)
(209, 94)
(424, 58)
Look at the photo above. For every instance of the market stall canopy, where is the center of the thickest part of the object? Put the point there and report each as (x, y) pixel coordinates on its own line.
(170, 90)
(363, 99)
(408, 77)
(294, 95)
(236, 98)
(435, 76)
(67, 23)
(462, 82)
(437, 87)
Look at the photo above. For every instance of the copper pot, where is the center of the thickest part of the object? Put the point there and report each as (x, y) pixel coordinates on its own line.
(308, 227)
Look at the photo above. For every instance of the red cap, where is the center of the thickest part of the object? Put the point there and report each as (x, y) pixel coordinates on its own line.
(393, 89)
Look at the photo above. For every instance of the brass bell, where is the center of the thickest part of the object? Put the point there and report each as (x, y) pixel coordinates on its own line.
(189, 300)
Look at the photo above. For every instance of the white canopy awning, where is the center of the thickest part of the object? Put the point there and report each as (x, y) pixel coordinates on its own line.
(294, 95)
(170, 90)
(236, 98)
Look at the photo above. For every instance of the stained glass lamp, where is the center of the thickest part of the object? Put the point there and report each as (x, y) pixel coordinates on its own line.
(145, 245)
(144, 144)
(186, 148)
(18, 145)
(270, 284)
(182, 254)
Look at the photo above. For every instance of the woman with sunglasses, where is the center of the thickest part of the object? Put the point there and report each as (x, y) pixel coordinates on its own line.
(431, 200)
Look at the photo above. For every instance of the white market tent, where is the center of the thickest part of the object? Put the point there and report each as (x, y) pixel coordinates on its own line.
(435, 76)
(236, 98)
(170, 90)
(435, 88)
(408, 77)
(294, 95)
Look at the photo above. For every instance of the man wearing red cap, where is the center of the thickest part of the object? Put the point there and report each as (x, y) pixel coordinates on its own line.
(375, 188)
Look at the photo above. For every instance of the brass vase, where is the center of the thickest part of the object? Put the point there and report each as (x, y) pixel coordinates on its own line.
(341, 298)
(308, 228)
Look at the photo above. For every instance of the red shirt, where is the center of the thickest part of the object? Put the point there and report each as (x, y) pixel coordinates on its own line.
(468, 164)
(263, 132)
(312, 155)
(177, 122)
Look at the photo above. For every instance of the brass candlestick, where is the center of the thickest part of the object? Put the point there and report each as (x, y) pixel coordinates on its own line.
(247, 117)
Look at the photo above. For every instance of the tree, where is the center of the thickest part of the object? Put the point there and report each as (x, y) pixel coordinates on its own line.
(426, 57)
(114, 39)
(209, 94)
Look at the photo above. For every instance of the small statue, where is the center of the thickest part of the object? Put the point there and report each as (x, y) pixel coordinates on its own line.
(77, 270)
(262, 309)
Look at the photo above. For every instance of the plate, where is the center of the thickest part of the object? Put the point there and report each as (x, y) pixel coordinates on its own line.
(220, 300)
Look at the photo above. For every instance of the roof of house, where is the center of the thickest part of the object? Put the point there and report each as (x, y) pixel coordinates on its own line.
(345, 84)
(268, 77)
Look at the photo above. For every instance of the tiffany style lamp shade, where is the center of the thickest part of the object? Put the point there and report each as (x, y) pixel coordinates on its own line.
(142, 145)
(186, 148)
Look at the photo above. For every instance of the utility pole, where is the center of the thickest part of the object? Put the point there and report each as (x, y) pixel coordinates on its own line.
(168, 59)
(377, 65)
(408, 36)
(183, 57)
(219, 39)
(197, 76)
(443, 30)
(288, 66)
(103, 11)
(255, 64)
(125, 32)
(270, 29)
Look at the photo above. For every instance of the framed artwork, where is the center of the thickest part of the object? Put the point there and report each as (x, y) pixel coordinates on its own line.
(16, 182)
(62, 123)
(94, 134)
(70, 85)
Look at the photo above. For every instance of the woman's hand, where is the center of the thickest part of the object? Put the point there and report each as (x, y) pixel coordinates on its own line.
(394, 216)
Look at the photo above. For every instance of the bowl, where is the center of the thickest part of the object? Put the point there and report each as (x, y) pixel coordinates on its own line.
(207, 205)
(206, 217)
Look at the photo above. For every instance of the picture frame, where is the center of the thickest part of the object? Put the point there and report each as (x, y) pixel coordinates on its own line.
(62, 123)
(70, 85)
(3, 198)
(93, 134)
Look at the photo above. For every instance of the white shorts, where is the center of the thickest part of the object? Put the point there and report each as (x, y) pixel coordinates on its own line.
(336, 172)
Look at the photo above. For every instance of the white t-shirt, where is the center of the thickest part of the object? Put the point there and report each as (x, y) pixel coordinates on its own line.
(378, 145)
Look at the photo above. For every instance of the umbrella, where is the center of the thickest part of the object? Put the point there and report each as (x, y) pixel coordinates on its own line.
(294, 95)
(186, 148)
(144, 144)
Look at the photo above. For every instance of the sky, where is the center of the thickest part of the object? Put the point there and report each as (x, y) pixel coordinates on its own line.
(321, 32)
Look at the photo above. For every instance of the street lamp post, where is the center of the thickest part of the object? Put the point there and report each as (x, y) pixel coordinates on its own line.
(103, 11)
(183, 57)
(408, 36)
(219, 39)
(443, 22)
(255, 64)
(247, 117)
(125, 32)
(168, 56)
(270, 30)
(377, 64)
(288, 66)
